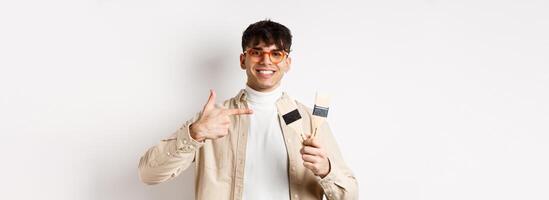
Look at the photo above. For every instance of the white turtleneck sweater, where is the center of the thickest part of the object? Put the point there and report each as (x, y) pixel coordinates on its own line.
(266, 167)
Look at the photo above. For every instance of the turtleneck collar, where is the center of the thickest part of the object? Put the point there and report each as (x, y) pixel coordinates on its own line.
(263, 98)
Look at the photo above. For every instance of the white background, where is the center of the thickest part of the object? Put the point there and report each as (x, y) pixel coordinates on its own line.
(432, 99)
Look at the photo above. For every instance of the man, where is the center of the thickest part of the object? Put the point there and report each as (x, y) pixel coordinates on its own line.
(244, 149)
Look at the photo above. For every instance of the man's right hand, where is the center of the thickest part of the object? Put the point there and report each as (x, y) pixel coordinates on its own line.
(214, 122)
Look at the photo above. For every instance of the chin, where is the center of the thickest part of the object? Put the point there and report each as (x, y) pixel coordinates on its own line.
(268, 83)
(266, 86)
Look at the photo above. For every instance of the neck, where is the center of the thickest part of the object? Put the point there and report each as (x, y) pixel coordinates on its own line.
(261, 97)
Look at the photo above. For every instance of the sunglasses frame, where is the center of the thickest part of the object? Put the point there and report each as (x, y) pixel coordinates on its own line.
(285, 54)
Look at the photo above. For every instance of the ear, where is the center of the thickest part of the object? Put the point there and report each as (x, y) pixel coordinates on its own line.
(242, 61)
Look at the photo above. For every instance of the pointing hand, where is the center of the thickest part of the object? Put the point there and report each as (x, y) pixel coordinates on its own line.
(214, 122)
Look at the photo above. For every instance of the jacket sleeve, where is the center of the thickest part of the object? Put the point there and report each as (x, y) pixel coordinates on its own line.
(170, 157)
(340, 183)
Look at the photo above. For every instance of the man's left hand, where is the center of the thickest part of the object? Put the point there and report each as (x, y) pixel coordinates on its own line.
(315, 158)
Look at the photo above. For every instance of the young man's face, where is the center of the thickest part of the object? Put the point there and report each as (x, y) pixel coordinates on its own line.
(264, 75)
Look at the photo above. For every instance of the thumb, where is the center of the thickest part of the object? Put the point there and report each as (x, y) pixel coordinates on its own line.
(211, 101)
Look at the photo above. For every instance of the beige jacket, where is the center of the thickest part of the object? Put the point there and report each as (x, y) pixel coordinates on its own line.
(220, 163)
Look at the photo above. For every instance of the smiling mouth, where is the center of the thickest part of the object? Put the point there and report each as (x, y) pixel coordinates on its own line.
(266, 72)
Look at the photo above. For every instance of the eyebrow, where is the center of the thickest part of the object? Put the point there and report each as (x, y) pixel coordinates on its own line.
(261, 49)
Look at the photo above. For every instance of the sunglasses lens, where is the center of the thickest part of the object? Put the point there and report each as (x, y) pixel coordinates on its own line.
(277, 56)
(255, 53)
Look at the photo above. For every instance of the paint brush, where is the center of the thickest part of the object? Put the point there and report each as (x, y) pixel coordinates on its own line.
(291, 116)
(320, 111)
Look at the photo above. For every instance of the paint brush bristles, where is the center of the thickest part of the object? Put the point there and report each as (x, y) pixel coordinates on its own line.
(320, 111)
(291, 117)
(293, 120)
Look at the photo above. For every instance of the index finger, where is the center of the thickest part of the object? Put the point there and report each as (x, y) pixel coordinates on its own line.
(237, 111)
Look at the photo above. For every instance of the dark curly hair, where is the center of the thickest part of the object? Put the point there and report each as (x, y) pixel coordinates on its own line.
(269, 32)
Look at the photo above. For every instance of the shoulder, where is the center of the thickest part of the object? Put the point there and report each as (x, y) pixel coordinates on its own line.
(302, 108)
(305, 111)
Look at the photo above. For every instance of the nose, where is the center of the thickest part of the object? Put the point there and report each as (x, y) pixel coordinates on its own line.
(265, 59)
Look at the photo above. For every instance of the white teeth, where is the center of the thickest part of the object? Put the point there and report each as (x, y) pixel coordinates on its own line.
(265, 72)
